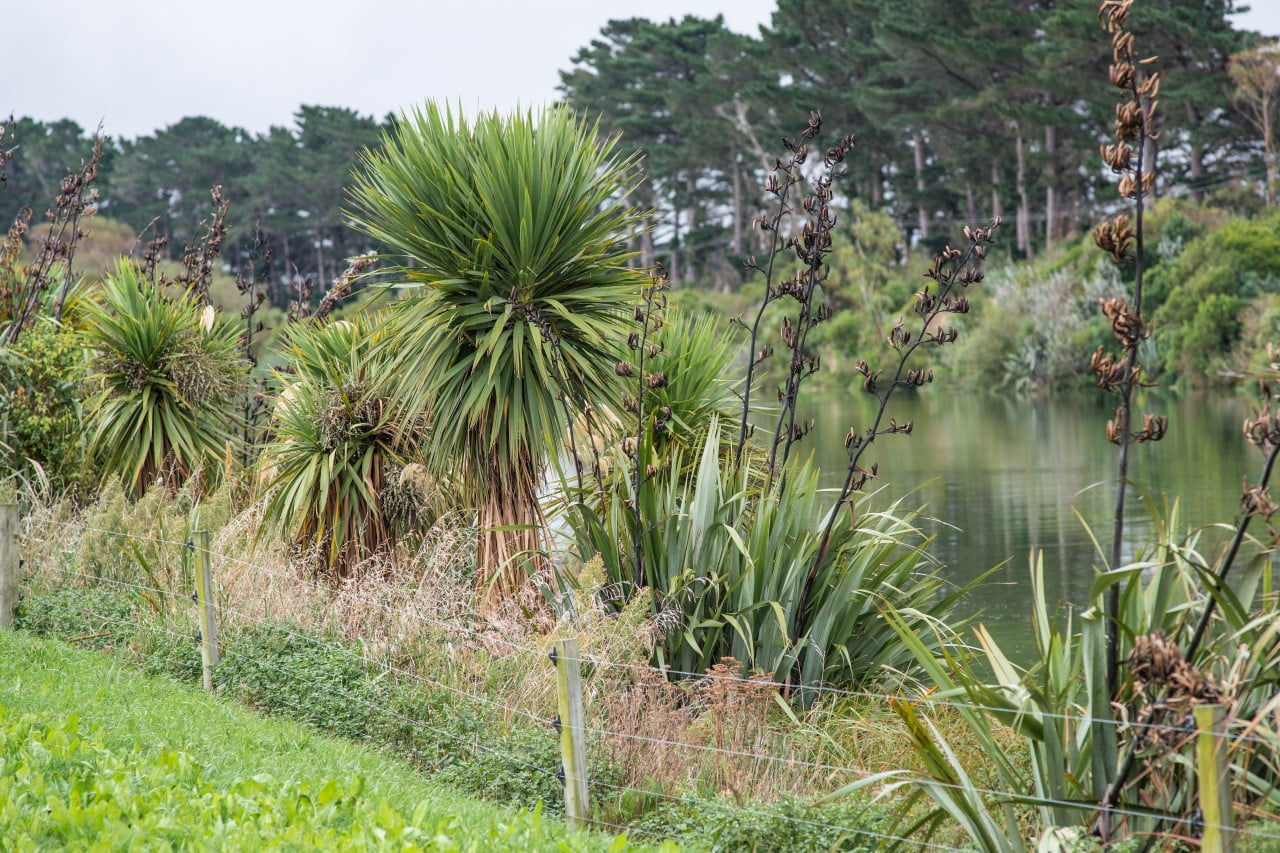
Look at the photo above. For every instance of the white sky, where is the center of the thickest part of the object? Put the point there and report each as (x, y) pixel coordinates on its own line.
(138, 65)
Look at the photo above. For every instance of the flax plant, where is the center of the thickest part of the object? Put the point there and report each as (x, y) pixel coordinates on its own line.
(723, 561)
(746, 557)
(509, 233)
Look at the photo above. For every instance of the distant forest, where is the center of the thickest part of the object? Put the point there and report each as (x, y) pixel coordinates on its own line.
(960, 110)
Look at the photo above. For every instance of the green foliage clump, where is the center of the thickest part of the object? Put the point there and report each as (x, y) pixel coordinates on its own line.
(40, 410)
(169, 373)
(791, 825)
(346, 475)
(301, 676)
(725, 561)
(1202, 295)
(94, 616)
(60, 787)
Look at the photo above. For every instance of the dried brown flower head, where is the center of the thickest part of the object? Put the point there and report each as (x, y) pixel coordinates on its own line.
(1118, 156)
(1115, 236)
(1157, 661)
(1114, 14)
(1125, 324)
(1263, 429)
(1112, 373)
(1129, 185)
(1153, 428)
(1256, 501)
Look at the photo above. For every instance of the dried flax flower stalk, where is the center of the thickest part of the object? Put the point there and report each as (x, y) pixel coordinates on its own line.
(1121, 237)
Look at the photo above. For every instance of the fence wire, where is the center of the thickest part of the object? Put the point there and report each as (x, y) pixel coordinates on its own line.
(605, 663)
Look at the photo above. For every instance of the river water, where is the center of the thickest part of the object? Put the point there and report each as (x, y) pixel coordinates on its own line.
(1004, 476)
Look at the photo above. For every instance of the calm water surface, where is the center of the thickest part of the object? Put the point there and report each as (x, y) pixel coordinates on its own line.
(1002, 477)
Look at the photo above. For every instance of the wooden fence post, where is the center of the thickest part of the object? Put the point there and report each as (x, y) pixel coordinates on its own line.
(9, 563)
(204, 602)
(1212, 771)
(573, 741)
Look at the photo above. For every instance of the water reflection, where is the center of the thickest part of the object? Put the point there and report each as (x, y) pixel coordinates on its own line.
(1005, 476)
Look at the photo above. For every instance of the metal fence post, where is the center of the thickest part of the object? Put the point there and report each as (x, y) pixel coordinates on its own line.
(9, 563)
(204, 602)
(573, 742)
(1212, 775)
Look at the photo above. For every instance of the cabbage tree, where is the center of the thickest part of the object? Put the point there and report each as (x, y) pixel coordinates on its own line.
(509, 232)
(168, 372)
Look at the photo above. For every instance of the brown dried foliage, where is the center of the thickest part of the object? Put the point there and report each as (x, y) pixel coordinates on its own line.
(23, 290)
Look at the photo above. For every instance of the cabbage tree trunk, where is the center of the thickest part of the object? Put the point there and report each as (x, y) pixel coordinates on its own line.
(512, 541)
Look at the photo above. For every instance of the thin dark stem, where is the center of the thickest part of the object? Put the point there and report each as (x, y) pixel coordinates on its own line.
(798, 367)
(1233, 551)
(795, 374)
(856, 475)
(1237, 540)
(812, 246)
(753, 358)
(573, 443)
(637, 538)
(1126, 415)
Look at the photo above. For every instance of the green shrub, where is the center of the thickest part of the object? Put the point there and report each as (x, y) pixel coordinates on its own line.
(94, 616)
(1200, 297)
(1212, 332)
(173, 652)
(790, 825)
(40, 409)
(285, 671)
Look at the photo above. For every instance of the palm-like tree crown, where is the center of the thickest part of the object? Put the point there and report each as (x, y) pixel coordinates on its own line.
(512, 228)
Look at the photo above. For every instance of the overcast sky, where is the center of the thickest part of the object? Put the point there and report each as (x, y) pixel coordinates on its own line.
(137, 65)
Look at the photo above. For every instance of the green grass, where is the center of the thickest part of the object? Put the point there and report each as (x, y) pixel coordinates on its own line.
(144, 719)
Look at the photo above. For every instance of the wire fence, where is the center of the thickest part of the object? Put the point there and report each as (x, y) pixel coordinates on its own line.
(1186, 826)
(922, 699)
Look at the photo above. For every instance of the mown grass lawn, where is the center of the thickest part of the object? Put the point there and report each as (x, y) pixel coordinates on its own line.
(130, 725)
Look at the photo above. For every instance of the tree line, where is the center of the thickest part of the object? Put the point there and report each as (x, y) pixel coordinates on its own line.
(286, 187)
(960, 111)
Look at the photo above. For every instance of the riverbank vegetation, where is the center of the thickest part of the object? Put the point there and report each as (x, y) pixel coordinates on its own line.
(523, 421)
